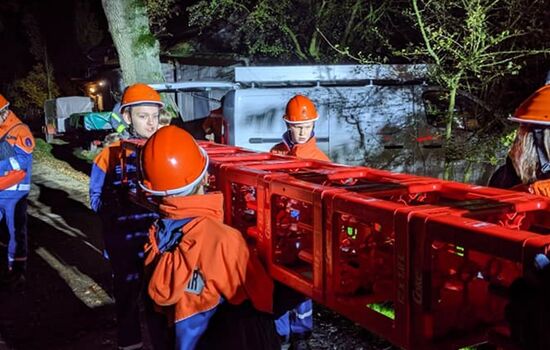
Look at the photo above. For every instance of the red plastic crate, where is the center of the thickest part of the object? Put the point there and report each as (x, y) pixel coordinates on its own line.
(376, 222)
(234, 159)
(294, 219)
(244, 189)
(294, 222)
(461, 268)
(367, 261)
(215, 148)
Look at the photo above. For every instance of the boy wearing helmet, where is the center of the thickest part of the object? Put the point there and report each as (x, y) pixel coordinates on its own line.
(125, 224)
(296, 325)
(299, 139)
(528, 163)
(16, 146)
(203, 277)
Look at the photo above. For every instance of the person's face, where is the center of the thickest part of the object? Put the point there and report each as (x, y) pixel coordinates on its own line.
(144, 119)
(301, 133)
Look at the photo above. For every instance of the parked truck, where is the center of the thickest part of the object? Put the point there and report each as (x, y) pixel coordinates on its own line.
(58, 111)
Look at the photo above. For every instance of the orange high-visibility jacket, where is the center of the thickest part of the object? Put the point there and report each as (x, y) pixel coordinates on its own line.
(308, 150)
(210, 262)
(15, 157)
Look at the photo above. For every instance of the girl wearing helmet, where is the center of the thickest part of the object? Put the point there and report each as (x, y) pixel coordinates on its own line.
(528, 163)
(125, 224)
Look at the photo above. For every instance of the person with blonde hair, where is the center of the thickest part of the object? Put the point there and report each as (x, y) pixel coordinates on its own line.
(527, 167)
(124, 224)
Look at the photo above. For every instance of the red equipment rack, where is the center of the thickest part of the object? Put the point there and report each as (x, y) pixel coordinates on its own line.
(420, 261)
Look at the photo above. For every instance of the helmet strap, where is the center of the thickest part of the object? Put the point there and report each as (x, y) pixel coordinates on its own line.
(538, 135)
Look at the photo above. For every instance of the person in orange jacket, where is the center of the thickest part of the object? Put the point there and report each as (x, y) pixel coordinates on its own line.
(527, 166)
(299, 139)
(295, 326)
(125, 225)
(202, 274)
(214, 124)
(527, 169)
(16, 147)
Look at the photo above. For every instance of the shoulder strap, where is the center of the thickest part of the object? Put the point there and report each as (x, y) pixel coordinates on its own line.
(7, 133)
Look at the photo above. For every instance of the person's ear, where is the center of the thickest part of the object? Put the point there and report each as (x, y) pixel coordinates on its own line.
(126, 116)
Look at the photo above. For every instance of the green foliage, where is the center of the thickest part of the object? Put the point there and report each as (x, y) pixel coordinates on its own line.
(473, 45)
(145, 40)
(160, 11)
(183, 49)
(42, 150)
(31, 91)
(299, 30)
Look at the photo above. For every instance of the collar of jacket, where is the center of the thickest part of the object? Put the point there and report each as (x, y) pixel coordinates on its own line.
(305, 150)
(176, 208)
(168, 233)
(10, 121)
(287, 139)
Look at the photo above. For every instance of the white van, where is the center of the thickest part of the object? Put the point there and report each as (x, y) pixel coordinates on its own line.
(382, 116)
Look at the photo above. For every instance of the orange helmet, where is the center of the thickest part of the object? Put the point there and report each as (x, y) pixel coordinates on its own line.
(300, 109)
(3, 102)
(172, 163)
(140, 93)
(535, 109)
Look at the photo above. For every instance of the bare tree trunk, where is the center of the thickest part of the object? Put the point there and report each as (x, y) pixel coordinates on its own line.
(138, 50)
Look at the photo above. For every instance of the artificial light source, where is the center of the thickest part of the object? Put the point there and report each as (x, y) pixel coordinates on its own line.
(92, 89)
(102, 83)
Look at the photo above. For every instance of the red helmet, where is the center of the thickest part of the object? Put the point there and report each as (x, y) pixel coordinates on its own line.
(535, 109)
(172, 162)
(140, 93)
(3, 103)
(300, 109)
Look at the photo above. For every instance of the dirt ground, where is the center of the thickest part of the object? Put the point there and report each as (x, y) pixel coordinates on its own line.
(67, 300)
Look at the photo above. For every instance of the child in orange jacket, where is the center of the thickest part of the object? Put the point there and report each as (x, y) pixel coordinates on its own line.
(299, 139)
(125, 225)
(204, 278)
(295, 326)
(16, 147)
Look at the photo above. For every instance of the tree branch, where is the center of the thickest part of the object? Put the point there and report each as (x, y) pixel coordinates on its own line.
(424, 34)
(294, 39)
(520, 55)
(344, 53)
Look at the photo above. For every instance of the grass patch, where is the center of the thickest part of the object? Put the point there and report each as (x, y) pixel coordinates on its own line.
(42, 150)
(384, 309)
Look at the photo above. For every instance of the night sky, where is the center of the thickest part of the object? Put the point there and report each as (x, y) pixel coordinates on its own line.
(56, 21)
